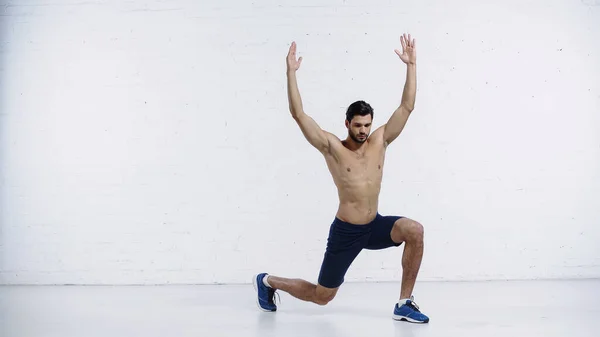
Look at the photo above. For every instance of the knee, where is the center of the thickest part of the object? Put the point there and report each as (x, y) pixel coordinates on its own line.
(324, 299)
(413, 232)
(418, 232)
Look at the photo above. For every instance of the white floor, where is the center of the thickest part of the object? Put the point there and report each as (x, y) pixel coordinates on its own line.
(515, 308)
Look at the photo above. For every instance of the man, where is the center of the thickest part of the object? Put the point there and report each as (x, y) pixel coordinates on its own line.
(356, 165)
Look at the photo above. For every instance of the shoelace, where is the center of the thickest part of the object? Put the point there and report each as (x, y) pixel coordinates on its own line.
(413, 304)
(272, 294)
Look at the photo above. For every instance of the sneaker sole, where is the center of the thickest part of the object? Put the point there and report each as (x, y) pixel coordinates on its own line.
(256, 289)
(408, 319)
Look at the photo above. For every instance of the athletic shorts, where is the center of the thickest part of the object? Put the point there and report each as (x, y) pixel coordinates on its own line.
(346, 241)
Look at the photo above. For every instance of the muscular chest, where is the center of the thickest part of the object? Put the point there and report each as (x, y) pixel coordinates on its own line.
(367, 165)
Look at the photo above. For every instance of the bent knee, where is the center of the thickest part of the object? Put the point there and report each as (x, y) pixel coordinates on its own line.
(324, 296)
(324, 299)
(418, 230)
(409, 230)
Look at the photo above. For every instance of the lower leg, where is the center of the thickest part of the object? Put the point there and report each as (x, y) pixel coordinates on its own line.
(411, 233)
(298, 288)
(411, 262)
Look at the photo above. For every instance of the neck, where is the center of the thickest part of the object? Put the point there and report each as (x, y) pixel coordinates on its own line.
(353, 145)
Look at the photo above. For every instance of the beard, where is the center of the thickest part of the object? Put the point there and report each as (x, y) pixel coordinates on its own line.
(356, 137)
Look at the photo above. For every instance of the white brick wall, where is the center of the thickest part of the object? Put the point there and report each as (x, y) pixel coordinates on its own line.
(149, 142)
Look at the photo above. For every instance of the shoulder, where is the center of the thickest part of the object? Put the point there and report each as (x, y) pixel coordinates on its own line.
(376, 137)
(335, 144)
(332, 138)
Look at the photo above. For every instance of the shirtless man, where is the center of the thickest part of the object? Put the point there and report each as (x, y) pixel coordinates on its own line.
(356, 165)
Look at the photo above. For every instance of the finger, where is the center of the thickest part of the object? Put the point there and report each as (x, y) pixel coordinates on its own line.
(398, 52)
(409, 40)
(414, 43)
(299, 61)
(403, 42)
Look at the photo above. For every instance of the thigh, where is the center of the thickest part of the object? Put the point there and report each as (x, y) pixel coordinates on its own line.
(334, 267)
(382, 233)
(344, 243)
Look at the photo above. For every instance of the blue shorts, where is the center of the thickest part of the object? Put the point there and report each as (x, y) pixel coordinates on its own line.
(346, 241)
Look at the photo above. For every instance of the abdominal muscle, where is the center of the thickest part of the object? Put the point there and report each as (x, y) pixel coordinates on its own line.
(359, 197)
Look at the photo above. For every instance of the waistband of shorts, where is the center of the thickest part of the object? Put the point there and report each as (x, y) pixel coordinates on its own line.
(339, 222)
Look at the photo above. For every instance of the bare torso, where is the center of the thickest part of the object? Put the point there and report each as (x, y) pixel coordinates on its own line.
(357, 175)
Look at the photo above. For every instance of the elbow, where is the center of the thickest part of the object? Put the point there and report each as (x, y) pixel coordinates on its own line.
(296, 114)
(408, 107)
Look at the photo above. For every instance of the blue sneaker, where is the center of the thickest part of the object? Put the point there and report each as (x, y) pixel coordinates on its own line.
(266, 295)
(409, 311)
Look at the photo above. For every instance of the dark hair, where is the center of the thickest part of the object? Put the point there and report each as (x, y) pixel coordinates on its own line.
(361, 108)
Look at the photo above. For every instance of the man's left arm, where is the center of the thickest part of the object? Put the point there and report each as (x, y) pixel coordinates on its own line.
(397, 121)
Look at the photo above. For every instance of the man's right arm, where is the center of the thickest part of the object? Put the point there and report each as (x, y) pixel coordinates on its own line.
(311, 130)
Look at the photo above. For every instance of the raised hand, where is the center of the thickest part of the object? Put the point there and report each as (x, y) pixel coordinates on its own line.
(292, 63)
(409, 52)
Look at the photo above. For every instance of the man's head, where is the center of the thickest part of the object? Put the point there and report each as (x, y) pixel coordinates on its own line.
(359, 117)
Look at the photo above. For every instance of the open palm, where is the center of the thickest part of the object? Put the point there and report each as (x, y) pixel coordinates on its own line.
(409, 52)
(292, 63)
